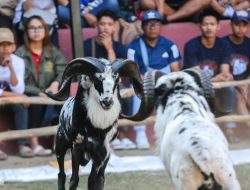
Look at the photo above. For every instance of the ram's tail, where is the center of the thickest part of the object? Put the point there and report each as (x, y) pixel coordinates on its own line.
(214, 164)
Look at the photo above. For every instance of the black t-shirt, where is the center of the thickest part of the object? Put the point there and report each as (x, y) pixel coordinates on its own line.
(209, 59)
(100, 51)
(239, 59)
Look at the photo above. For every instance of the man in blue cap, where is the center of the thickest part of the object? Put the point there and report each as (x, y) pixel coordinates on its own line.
(152, 51)
(239, 59)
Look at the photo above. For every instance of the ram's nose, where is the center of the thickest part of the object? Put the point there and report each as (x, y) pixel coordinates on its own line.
(107, 102)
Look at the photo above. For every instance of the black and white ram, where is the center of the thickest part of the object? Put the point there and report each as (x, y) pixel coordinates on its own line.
(192, 147)
(88, 120)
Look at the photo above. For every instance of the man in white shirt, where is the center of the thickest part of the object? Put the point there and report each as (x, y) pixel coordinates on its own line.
(12, 69)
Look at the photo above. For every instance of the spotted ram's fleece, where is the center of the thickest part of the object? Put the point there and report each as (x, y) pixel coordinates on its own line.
(191, 146)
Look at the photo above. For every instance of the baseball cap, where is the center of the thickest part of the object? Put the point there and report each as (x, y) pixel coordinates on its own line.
(151, 15)
(239, 16)
(6, 35)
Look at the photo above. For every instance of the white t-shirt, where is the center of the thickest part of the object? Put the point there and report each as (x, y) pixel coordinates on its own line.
(19, 68)
(40, 4)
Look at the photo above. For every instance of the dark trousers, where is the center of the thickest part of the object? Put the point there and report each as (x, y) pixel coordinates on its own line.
(64, 11)
(43, 115)
(20, 114)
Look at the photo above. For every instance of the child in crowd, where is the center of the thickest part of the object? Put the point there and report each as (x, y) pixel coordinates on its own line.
(12, 70)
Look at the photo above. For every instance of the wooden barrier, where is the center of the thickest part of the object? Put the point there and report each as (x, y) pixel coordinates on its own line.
(124, 94)
(51, 130)
(217, 85)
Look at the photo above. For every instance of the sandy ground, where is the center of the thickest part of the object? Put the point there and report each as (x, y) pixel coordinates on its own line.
(17, 162)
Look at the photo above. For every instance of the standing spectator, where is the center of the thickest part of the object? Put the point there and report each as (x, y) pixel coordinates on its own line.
(7, 12)
(226, 8)
(103, 46)
(239, 60)
(89, 10)
(152, 51)
(12, 70)
(210, 53)
(175, 10)
(43, 71)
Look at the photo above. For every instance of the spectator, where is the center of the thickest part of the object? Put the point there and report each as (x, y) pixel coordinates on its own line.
(43, 71)
(175, 10)
(226, 8)
(152, 51)
(45, 9)
(128, 10)
(240, 57)
(89, 9)
(7, 12)
(104, 46)
(210, 53)
(12, 70)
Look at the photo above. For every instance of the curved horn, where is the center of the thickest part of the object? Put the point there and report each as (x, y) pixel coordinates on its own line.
(128, 68)
(148, 96)
(79, 66)
(203, 79)
(63, 93)
(83, 66)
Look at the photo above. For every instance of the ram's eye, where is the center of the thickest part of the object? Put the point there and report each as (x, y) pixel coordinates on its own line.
(115, 76)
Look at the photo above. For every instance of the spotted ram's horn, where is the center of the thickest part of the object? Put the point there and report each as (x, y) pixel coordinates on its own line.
(79, 66)
(148, 96)
(203, 79)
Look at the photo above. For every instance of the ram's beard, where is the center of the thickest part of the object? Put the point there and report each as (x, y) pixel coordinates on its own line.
(99, 117)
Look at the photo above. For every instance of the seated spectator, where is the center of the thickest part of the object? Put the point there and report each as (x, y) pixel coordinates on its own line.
(175, 10)
(226, 8)
(7, 12)
(89, 9)
(207, 52)
(239, 60)
(45, 9)
(104, 46)
(151, 51)
(44, 65)
(12, 70)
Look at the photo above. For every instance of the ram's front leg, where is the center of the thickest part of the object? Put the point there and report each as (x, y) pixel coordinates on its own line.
(96, 178)
(74, 180)
(61, 148)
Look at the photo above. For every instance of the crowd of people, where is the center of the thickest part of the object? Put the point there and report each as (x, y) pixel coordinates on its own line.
(31, 63)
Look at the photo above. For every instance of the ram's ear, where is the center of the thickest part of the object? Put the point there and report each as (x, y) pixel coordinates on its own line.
(160, 90)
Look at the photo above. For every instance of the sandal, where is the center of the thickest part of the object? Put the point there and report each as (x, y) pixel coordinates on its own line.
(41, 151)
(25, 152)
(3, 155)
